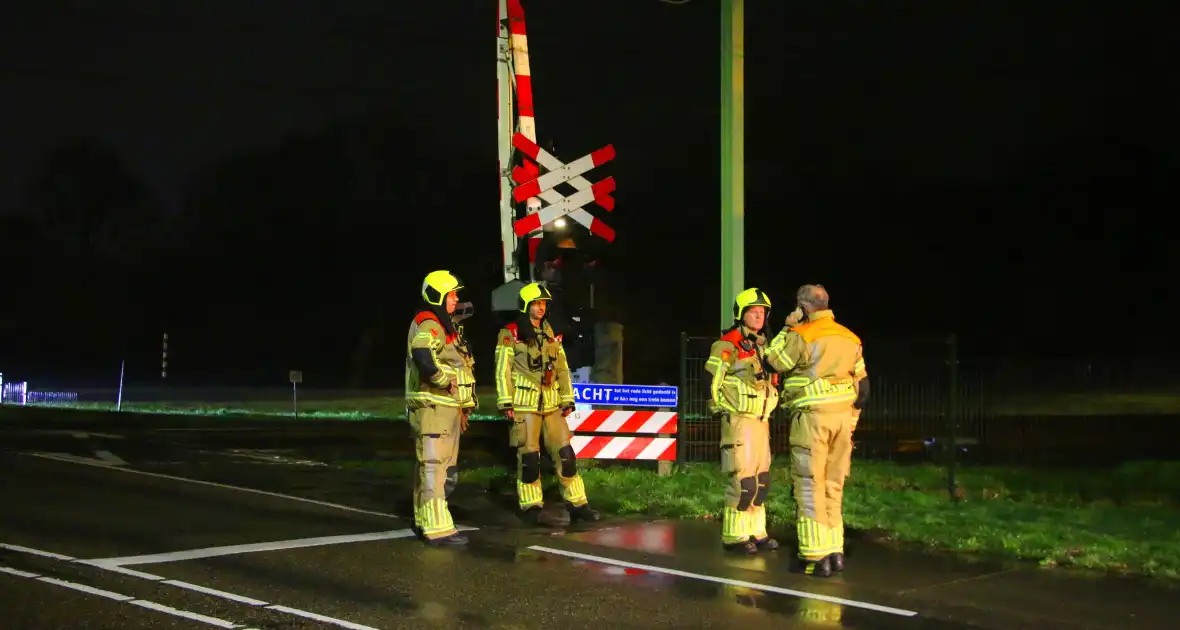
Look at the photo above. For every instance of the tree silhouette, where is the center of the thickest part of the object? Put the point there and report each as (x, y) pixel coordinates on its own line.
(89, 201)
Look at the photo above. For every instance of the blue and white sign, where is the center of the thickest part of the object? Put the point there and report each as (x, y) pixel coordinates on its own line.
(625, 395)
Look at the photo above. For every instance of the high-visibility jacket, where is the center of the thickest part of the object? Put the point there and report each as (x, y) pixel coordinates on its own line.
(740, 383)
(450, 361)
(532, 375)
(822, 361)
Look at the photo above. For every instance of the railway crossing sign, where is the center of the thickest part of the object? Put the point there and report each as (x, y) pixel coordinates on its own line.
(559, 205)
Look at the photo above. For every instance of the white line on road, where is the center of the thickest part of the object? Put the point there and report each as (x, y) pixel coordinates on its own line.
(17, 572)
(213, 621)
(228, 550)
(311, 615)
(126, 599)
(720, 580)
(36, 552)
(242, 599)
(96, 464)
(111, 458)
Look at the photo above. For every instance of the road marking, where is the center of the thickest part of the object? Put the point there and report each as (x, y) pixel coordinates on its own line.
(310, 615)
(17, 572)
(79, 459)
(213, 621)
(250, 601)
(36, 552)
(110, 458)
(242, 599)
(228, 550)
(125, 599)
(84, 461)
(720, 580)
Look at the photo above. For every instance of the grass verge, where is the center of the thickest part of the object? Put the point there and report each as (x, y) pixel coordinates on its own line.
(371, 407)
(1126, 520)
(366, 408)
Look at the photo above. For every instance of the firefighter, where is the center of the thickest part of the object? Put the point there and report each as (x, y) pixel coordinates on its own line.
(534, 390)
(743, 396)
(440, 395)
(825, 385)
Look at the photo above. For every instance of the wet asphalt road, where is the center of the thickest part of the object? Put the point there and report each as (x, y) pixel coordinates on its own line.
(609, 575)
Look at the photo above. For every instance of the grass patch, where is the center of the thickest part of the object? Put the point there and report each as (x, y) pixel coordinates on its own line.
(361, 408)
(1125, 520)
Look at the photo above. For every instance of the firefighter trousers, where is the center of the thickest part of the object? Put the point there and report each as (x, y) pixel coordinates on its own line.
(745, 457)
(528, 430)
(821, 456)
(436, 432)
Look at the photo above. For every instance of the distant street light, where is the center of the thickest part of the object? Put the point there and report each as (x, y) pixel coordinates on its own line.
(560, 223)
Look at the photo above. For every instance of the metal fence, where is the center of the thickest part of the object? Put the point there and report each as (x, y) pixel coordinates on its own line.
(928, 403)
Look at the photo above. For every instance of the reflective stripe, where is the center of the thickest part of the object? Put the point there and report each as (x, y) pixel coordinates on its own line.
(574, 491)
(735, 395)
(736, 527)
(529, 396)
(504, 388)
(529, 494)
(821, 391)
(434, 519)
(567, 398)
(719, 370)
(465, 381)
(776, 352)
(816, 540)
(433, 399)
(758, 528)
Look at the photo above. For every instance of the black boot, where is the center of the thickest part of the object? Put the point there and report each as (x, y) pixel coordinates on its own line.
(585, 513)
(817, 568)
(546, 517)
(454, 540)
(767, 544)
(837, 561)
(748, 547)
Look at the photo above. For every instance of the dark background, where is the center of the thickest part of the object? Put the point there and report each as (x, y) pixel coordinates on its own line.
(268, 182)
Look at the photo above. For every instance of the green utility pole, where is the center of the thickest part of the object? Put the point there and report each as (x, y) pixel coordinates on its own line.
(733, 177)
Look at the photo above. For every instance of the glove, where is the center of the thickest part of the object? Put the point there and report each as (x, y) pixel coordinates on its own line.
(566, 411)
(464, 419)
(795, 318)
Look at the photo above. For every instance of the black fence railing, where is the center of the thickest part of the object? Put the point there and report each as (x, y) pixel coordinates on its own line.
(928, 403)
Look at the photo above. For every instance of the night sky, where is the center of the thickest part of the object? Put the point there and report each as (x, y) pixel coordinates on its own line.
(1002, 169)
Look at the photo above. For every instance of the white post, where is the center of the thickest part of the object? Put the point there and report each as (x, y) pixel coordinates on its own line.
(506, 127)
(119, 402)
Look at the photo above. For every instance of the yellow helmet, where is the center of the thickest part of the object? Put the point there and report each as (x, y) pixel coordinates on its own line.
(530, 293)
(438, 284)
(746, 299)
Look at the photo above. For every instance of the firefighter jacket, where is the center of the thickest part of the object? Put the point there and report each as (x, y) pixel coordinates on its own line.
(822, 361)
(435, 359)
(740, 382)
(532, 374)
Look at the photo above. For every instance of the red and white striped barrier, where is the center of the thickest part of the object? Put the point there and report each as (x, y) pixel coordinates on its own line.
(624, 447)
(623, 422)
